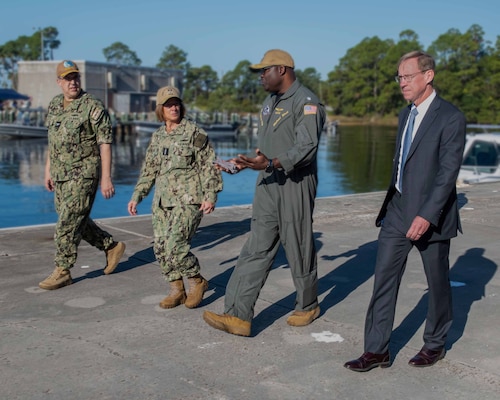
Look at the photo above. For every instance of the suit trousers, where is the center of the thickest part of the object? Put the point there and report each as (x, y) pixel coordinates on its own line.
(393, 250)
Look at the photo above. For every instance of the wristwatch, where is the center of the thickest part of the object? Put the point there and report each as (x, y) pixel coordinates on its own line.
(270, 166)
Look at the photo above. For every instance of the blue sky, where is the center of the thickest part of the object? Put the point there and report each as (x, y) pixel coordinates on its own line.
(220, 33)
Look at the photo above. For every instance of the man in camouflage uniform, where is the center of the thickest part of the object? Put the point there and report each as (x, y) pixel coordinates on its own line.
(291, 121)
(179, 163)
(79, 133)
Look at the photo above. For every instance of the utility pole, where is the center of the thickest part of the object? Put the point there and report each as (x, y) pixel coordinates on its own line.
(41, 41)
(42, 57)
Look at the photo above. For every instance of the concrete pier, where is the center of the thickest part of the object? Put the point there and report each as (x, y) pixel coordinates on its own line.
(104, 336)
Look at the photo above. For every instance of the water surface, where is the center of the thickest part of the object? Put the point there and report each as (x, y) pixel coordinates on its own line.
(355, 160)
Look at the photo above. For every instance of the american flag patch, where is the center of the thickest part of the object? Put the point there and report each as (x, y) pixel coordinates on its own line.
(310, 110)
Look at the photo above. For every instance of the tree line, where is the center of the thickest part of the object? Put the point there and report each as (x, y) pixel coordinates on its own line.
(361, 85)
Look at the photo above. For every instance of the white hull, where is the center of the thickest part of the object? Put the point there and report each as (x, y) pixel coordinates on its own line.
(481, 158)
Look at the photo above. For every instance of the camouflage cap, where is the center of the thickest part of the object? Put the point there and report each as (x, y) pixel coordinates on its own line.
(166, 93)
(274, 57)
(66, 67)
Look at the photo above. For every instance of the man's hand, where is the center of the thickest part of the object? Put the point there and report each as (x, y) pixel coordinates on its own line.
(256, 163)
(418, 228)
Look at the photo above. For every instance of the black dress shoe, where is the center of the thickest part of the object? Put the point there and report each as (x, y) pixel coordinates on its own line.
(426, 357)
(369, 361)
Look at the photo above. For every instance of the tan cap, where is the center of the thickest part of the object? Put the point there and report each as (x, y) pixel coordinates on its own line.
(274, 57)
(166, 93)
(66, 67)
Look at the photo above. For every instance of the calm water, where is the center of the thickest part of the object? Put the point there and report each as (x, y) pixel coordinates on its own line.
(355, 160)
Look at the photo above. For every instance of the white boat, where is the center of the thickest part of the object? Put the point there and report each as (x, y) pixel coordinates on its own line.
(23, 131)
(481, 155)
(28, 122)
(145, 128)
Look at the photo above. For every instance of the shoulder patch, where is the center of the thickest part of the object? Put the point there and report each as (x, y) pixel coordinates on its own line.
(96, 114)
(200, 140)
(310, 109)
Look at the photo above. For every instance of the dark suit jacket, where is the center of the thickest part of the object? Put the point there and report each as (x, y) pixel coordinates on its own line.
(431, 170)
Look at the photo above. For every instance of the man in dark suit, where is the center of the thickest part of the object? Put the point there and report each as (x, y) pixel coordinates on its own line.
(421, 210)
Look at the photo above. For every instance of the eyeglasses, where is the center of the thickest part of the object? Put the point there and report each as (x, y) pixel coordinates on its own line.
(71, 77)
(170, 105)
(264, 70)
(408, 78)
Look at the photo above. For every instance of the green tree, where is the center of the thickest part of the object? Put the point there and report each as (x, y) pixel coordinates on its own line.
(25, 48)
(121, 54)
(50, 42)
(199, 83)
(356, 83)
(459, 64)
(239, 90)
(310, 78)
(173, 58)
(490, 93)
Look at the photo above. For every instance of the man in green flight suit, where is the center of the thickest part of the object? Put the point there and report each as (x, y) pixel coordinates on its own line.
(291, 121)
(79, 155)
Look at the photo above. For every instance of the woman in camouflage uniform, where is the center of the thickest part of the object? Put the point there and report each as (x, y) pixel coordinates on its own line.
(179, 163)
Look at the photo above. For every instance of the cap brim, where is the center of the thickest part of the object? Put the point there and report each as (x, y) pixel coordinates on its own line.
(68, 72)
(171, 97)
(258, 67)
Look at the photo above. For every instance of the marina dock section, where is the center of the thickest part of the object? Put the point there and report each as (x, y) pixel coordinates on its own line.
(105, 337)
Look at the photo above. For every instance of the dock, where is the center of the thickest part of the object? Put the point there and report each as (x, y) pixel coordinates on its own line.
(105, 337)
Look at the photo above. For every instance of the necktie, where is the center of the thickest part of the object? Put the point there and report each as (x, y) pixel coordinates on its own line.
(406, 145)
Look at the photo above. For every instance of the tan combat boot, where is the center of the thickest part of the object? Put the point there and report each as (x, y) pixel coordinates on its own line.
(228, 323)
(176, 296)
(58, 278)
(197, 286)
(113, 257)
(303, 318)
